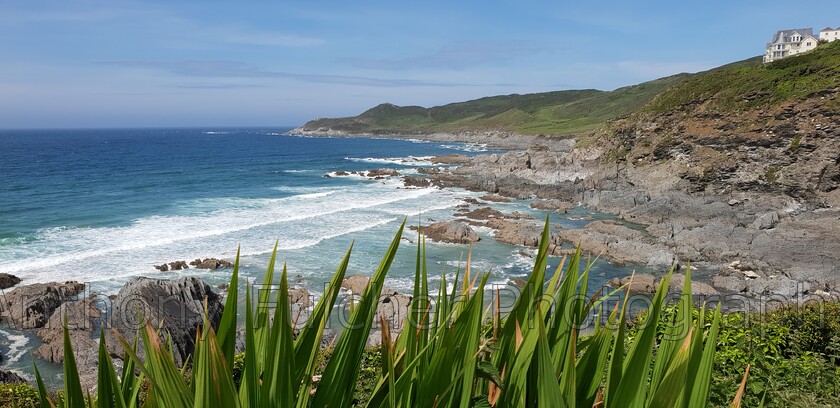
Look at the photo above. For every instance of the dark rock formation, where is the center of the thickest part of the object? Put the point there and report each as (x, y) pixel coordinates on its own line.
(30, 306)
(211, 263)
(7, 280)
(9, 377)
(176, 306)
(411, 181)
(383, 173)
(453, 232)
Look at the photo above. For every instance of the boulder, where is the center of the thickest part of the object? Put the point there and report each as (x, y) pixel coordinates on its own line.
(355, 283)
(453, 232)
(30, 306)
(174, 306)
(178, 265)
(7, 281)
(411, 181)
(383, 173)
(639, 283)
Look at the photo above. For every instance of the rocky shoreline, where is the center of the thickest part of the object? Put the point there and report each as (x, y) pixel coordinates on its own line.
(782, 244)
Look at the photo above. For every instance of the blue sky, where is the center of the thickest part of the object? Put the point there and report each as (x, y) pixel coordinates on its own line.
(90, 63)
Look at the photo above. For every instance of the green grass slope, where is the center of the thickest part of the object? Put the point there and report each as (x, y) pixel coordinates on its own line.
(738, 87)
(550, 113)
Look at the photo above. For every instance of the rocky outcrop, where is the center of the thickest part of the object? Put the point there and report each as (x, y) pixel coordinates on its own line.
(483, 213)
(453, 232)
(638, 284)
(9, 377)
(82, 323)
(383, 173)
(172, 266)
(495, 198)
(419, 182)
(174, 306)
(355, 283)
(619, 244)
(7, 280)
(82, 316)
(211, 263)
(525, 233)
(30, 306)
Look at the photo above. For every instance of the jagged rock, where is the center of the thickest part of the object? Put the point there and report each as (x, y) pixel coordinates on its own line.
(453, 232)
(355, 283)
(552, 205)
(473, 201)
(211, 263)
(9, 377)
(30, 306)
(383, 173)
(7, 280)
(495, 198)
(483, 213)
(162, 267)
(176, 306)
(178, 265)
(393, 308)
(411, 181)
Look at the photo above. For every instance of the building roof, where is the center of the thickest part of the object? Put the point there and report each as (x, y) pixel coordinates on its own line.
(783, 36)
(830, 29)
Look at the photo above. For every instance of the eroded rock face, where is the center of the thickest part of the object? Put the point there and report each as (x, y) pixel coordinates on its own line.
(211, 263)
(82, 316)
(525, 233)
(7, 280)
(453, 232)
(30, 306)
(176, 306)
(419, 182)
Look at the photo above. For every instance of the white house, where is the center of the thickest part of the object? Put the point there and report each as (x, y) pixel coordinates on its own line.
(790, 42)
(830, 34)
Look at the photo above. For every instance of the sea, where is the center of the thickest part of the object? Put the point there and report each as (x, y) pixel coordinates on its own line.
(104, 206)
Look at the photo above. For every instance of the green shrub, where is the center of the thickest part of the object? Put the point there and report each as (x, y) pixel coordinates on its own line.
(532, 357)
(19, 395)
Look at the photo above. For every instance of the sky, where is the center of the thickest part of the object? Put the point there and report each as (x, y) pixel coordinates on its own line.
(114, 63)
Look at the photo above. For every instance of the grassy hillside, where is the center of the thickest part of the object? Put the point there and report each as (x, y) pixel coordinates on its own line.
(554, 113)
(739, 87)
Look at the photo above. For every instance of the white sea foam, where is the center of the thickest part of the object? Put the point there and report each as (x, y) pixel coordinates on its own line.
(401, 161)
(303, 220)
(473, 148)
(17, 346)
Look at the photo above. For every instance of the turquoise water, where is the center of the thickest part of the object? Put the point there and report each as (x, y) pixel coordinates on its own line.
(102, 206)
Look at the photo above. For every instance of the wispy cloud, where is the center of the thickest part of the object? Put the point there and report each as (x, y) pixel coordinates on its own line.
(234, 69)
(456, 56)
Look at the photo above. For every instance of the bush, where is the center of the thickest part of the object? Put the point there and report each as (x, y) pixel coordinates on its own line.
(19, 395)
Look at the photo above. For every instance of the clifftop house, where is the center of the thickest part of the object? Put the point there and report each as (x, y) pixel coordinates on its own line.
(791, 42)
(830, 34)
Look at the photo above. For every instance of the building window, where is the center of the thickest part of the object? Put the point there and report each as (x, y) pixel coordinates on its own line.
(808, 44)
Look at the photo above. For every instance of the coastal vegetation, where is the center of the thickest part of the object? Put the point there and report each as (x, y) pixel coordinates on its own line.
(455, 351)
(452, 352)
